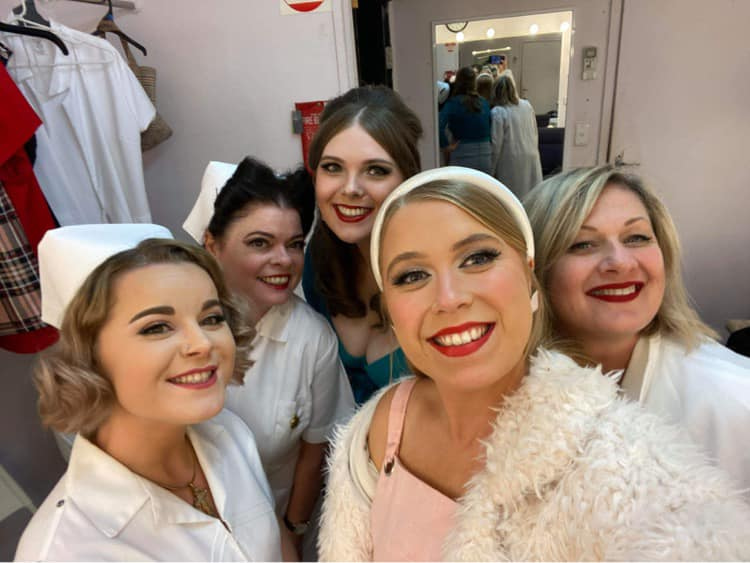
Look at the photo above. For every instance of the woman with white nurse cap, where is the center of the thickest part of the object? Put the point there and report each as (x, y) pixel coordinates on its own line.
(149, 336)
(255, 223)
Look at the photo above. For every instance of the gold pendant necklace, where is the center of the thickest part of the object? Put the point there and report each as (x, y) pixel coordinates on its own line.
(201, 495)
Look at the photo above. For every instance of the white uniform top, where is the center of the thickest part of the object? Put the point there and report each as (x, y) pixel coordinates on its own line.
(102, 511)
(515, 147)
(93, 109)
(296, 390)
(706, 390)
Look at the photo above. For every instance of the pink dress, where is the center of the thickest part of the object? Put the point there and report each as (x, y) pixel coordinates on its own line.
(409, 519)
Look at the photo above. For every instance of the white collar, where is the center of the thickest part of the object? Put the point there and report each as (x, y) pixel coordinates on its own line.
(110, 494)
(274, 323)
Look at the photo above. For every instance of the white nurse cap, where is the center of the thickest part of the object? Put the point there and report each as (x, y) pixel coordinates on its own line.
(69, 254)
(214, 178)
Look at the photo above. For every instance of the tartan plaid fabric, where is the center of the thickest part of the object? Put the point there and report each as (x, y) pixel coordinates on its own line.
(20, 298)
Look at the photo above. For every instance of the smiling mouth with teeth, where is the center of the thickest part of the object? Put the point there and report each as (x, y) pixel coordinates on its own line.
(616, 292)
(349, 214)
(278, 281)
(196, 379)
(461, 340)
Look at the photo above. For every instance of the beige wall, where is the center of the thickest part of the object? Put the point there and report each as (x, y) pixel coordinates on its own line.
(681, 110)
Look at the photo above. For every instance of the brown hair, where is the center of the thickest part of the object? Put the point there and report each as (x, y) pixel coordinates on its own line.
(560, 205)
(339, 266)
(466, 85)
(74, 395)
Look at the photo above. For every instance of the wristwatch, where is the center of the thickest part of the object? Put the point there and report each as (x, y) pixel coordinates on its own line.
(299, 528)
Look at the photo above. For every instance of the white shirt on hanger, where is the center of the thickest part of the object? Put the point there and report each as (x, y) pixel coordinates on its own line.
(93, 109)
(102, 511)
(297, 389)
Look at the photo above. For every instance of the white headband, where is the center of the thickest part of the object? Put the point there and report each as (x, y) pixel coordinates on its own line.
(214, 178)
(459, 174)
(69, 254)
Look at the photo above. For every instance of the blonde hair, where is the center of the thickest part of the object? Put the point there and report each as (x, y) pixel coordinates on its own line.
(490, 212)
(74, 394)
(559, 206)
(504, 91)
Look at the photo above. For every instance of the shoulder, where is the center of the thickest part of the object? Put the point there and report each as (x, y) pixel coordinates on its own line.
(499, 111)
(707, 360)
(377, 436)
(304, 317)
(38, 540)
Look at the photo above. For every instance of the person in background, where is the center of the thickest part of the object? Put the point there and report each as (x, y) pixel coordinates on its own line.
(296, 390)
(149, 340)
(608, 256)
(366, 145)
(466, 115)
(515, 139)
(484, 86)
(499, 450)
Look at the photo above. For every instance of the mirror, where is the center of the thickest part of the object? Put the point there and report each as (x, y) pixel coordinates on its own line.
(535, 49)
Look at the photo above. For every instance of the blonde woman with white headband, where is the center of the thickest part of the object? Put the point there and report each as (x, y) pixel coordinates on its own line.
(499, 450)
(149, 339)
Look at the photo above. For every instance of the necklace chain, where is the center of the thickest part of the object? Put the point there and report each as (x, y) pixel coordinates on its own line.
(201, 495)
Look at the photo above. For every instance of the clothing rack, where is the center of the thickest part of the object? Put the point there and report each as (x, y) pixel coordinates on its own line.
(127, 4)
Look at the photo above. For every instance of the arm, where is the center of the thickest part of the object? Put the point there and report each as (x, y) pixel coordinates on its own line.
(497, 132)
(345, 521)
(308, 480)
(443, 120)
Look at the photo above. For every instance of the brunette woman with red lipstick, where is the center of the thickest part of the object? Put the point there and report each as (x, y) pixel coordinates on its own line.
(149, 339)
(608, 256)
(365, 147)
(497, 450)
(297, 389)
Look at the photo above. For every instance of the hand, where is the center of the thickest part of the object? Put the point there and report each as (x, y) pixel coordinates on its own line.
(290, 544)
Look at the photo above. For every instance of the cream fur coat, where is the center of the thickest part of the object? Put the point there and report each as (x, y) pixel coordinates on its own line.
(572, 472)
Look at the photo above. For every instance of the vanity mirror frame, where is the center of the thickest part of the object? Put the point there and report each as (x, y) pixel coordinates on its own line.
(566, 44)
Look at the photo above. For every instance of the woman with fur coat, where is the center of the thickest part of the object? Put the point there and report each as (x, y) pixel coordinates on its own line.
(497, 449)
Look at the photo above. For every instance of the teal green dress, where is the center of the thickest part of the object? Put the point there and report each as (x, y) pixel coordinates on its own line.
(364, 378)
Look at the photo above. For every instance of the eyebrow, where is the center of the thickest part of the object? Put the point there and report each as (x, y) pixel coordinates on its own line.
(368, 161)
(262, 233)
(478, 237)
(471, 239)
(627, 223)
(167, 310)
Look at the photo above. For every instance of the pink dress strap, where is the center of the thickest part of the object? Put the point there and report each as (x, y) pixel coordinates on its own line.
(396, 418)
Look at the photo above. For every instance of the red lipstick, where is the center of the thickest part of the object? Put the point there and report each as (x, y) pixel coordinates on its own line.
(458, 350)
(351, 218)
(616, 292)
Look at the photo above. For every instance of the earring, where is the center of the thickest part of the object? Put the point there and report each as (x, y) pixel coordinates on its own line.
(534, 301)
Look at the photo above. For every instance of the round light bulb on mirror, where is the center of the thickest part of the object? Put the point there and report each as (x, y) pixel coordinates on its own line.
(490, 33)
(460, 36)
(564, 26)
(533, 29)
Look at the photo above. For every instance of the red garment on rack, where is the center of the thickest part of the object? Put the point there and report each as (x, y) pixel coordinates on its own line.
(17, 124)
